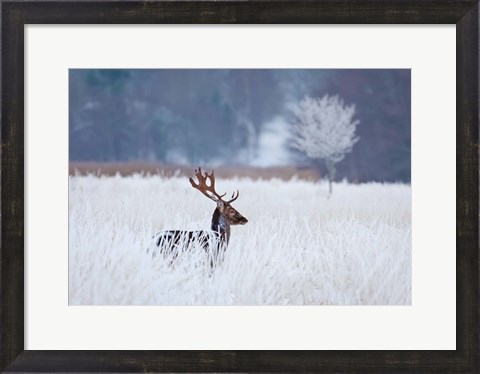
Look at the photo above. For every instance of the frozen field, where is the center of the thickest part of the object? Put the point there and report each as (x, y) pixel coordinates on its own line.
(299, 247)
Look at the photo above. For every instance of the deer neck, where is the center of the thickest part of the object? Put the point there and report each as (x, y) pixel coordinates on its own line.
(221, 226)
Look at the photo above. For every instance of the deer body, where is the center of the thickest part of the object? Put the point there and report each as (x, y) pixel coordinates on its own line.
(171, 241)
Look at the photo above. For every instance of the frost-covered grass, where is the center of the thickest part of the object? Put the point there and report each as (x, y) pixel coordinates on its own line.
(299, 247)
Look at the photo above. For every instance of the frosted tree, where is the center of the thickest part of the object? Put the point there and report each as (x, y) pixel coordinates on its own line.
(324, 130)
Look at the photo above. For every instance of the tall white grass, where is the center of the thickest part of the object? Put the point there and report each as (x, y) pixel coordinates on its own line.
(299, 247)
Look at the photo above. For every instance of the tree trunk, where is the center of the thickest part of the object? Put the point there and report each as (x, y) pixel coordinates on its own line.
(331, 174)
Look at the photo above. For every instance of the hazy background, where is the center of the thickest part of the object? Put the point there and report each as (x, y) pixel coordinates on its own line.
(234, 117)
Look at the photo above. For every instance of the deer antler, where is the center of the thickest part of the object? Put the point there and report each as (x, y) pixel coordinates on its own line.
(203, 187)
(233, 197)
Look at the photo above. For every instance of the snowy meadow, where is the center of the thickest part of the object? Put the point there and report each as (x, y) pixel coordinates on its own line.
(298, 248)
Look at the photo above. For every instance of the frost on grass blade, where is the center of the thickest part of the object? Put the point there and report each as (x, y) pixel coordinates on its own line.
(351, 249)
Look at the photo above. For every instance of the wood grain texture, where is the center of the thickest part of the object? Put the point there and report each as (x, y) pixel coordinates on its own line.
(245, 12)
(467, 187)
(12, 184)
(16, 14)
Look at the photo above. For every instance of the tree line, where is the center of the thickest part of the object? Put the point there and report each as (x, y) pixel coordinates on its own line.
(196, 116)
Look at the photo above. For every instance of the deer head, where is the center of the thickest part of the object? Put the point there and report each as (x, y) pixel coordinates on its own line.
(223, 206)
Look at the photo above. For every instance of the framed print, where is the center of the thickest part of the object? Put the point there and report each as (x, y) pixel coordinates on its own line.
(340, 128)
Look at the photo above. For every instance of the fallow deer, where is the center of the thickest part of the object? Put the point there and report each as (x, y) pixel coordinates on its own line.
(214, 242)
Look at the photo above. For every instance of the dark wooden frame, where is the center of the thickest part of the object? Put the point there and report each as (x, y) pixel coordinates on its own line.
(16, 14)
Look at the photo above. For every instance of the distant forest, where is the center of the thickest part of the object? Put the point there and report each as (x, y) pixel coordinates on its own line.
(217, 116)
